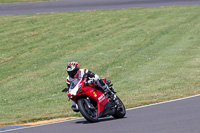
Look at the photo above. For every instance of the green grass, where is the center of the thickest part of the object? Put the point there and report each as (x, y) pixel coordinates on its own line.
(150, 54)
(14, 1)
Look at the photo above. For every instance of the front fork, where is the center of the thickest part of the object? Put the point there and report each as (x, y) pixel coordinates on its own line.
(88, 103)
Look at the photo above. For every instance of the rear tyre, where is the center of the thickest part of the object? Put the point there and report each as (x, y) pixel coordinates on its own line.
(89, 114)
(120, 109)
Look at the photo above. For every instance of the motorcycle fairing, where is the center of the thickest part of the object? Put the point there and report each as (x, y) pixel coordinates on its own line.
(104, 106)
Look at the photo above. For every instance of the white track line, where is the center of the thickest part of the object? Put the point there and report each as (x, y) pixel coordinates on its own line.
(164, 102)
(82, 117)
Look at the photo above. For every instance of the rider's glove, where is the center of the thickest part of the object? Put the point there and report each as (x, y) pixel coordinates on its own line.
(85, 83)
(90, 81)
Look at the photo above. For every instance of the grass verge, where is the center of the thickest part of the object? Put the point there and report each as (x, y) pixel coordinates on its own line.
(150, 54)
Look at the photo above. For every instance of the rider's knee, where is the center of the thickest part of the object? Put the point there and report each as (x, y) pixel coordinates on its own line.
(101, 81)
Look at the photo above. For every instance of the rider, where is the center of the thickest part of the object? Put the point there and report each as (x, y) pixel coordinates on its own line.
(76, 74)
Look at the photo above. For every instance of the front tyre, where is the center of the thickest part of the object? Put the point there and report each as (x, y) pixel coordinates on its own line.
(90, 114)
(120, 109)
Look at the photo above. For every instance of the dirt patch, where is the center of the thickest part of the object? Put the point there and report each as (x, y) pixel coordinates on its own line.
(48, 121)
(10, 77)
(7, 59)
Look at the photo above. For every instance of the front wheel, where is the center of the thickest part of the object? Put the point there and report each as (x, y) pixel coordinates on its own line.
(89, 113)
(120, 109)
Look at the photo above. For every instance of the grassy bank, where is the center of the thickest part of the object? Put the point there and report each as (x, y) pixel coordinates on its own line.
(14, 1)
(150, 54)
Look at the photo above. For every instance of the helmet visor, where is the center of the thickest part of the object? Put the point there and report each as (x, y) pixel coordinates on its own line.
(73, 73)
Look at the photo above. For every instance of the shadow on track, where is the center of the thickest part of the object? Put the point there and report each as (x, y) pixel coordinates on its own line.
(100, 120)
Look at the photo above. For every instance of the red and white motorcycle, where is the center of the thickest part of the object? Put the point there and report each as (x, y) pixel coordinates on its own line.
(93, 103)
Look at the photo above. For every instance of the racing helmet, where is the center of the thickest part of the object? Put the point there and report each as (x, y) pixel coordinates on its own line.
(73, 69)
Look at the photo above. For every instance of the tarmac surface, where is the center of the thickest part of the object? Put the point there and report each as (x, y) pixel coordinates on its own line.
(82, 5)
(177, 116)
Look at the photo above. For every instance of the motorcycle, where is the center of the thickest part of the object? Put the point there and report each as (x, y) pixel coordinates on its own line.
(93, 103)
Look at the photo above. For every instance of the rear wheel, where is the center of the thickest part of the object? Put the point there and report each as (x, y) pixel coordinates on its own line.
(89, 113)
(120, 109)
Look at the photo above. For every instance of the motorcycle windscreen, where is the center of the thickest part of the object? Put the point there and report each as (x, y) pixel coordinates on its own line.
(74, 86)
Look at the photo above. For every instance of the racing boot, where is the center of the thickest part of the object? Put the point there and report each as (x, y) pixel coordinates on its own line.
(111, 96)
(106, 90)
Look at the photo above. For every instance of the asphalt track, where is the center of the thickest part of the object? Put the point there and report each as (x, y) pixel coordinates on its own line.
(82, 5)
(177, 116)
